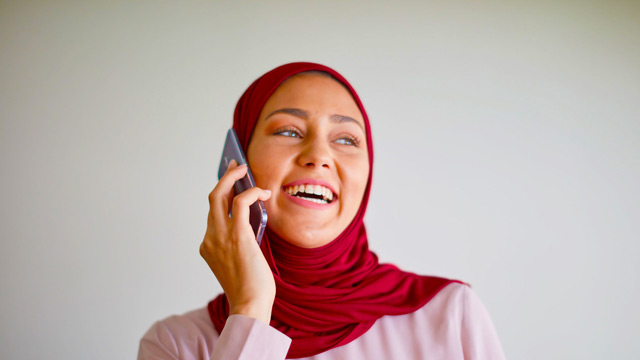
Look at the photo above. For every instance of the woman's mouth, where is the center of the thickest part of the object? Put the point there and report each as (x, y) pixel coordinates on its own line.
(314, 193)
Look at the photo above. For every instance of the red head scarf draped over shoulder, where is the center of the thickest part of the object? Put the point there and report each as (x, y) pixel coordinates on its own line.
(327, 296)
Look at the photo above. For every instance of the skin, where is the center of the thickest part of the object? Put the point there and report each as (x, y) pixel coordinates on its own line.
(310, 144)
(310, 128)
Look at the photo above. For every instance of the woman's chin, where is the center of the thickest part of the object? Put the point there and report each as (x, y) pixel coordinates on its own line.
(305, 237)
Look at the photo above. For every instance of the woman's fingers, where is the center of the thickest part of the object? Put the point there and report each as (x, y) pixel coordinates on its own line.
(222, 194)
(234, 173)
(242, 202)
(230, 249)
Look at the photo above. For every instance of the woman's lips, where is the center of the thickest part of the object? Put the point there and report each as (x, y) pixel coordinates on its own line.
(309, 181)
(310, 193)
(307, 203)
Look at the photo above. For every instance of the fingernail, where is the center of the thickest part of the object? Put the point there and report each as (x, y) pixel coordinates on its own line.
(268, 192)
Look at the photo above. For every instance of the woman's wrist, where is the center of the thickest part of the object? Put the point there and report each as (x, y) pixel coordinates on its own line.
(261, 312)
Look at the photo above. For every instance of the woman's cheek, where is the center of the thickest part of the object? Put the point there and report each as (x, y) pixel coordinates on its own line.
(358, 168)
(268, 166)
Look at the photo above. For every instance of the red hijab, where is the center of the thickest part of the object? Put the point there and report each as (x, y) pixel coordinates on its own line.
(327, 296)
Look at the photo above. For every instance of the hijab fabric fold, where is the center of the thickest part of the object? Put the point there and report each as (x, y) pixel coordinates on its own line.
(327, 296)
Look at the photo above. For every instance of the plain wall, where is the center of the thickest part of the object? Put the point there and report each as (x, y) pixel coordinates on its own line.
(507, 146)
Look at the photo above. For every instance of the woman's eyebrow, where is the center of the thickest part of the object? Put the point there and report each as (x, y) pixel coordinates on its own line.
(304, 115)
(291, 111)
(343, 119)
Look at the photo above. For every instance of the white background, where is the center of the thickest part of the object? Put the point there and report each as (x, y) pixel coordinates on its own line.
(507, 154)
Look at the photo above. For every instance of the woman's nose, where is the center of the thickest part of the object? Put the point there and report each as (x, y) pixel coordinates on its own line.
(316, 153)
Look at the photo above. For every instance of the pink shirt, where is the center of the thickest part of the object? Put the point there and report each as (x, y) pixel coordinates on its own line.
(453, 325)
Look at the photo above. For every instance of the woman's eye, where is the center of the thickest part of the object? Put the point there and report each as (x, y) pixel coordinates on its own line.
(288, 133)
(351, 141)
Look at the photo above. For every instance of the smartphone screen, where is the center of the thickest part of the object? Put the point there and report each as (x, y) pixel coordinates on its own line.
(233, 151)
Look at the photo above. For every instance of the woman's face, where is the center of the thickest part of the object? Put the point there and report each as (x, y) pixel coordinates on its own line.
(309, 148)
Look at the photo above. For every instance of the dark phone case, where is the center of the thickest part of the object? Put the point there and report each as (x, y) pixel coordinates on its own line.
(233, 151)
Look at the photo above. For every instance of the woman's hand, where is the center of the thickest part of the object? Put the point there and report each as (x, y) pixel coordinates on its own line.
(232, 252)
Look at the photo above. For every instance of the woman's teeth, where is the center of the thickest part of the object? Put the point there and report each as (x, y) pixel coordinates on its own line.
(315, 193)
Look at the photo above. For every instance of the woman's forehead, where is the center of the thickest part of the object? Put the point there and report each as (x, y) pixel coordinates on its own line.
(312, 92)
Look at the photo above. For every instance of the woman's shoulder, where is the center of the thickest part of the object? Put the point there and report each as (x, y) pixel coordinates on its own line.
(432, 329)
(454, 302)
(192, 322)
(452, 298)
(453, 323)
(445, 307)
(443, 318)
(454, 316)
(180, 335)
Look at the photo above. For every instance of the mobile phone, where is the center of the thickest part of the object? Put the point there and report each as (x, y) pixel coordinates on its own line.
(257, 212)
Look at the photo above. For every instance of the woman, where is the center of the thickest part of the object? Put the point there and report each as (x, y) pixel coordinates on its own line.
(313, 289)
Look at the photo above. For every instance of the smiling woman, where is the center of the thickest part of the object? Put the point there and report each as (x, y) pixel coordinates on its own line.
(313, 289)
(308, 135)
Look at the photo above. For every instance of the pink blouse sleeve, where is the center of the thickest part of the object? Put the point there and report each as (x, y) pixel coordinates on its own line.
(478, 336)
(248, 338)
(158, 343)
(187, 337)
